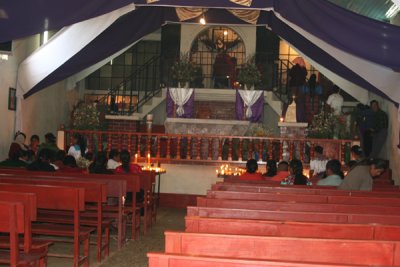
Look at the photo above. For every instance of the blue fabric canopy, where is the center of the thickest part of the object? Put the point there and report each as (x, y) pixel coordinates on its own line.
(367, 39)
(119, 36)
(23, 18)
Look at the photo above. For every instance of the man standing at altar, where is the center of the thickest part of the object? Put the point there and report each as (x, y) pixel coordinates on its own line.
(335, 101)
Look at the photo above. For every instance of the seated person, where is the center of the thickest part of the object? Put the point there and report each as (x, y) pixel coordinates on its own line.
(251, 173)
(59, 158)
(49, 143)
(361, 177)
(127, 166)
(43, 162)
(283, 172)
(70, 166)
(334, 174)
(99, 165)
(296, 176)
(17, 145)
(271, 168)
(113, 159)
(21, 160)
(318, 163)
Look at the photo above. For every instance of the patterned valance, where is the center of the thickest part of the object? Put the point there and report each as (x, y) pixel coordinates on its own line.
(185, 13)
(250, 16)
(242, 2)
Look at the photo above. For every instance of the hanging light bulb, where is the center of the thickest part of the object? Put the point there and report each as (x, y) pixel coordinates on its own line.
(202, 20)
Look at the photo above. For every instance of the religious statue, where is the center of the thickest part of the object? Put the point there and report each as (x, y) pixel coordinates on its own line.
(290, 115)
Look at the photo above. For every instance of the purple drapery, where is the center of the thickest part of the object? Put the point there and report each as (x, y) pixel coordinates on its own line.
(24, 18)
(118, 36)
(257, 109)
(188, 107)
(356, 34)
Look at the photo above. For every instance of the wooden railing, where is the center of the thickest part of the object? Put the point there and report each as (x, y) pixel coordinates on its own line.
(209, 148)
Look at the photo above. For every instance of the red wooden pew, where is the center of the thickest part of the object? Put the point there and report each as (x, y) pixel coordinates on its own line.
(198, 224)
(300, 216)
(300, 198)
(297, 206)
(328, 251)
(176, 260)
(95, 193)
(60, 198)
(12, 222)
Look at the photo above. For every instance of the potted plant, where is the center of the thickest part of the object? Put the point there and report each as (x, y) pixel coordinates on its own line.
(249, 75)
(183, 70)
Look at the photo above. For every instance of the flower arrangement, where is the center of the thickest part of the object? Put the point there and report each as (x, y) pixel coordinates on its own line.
(249, 75)
(183, 70)
(327, 125)
(87, 117)
(258, 130)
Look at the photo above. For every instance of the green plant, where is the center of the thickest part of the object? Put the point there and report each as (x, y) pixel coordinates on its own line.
(249, 74)
(183, 70)
(87, 117)
(327, 125)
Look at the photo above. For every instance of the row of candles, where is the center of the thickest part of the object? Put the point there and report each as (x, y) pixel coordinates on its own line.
(148, 166)
(225, 169)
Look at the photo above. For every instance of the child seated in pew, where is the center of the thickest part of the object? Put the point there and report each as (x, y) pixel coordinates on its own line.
(361, 177)
(251, 173)
(99, 165)
(128, 167)
(271, 168)
(318, 163)
(296, 176)
(113, 159)
(334, 174)
(70, 166)
(283, 172)
(21, 160)
(43, 162)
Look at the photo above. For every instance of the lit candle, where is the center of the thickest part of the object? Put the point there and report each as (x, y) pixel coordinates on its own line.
(148, 159)
(281, 119)
(136, 158)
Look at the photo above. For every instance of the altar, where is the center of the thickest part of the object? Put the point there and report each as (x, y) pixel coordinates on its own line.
(206, 126)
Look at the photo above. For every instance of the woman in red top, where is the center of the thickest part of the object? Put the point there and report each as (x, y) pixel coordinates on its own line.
(251, 173)
(126, 168)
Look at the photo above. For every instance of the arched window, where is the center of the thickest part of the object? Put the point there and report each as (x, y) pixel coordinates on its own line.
(217, 51)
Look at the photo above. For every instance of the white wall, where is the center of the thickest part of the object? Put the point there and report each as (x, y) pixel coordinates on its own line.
(188, 179)
(8, 76)
(42, 112)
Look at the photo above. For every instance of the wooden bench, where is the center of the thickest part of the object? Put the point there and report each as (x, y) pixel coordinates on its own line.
(133, 185)
(59, 198)
(320, 190)
(95, 193)
(12, 222)
(363, 208)
(117, 187)
(176, 260)
(300, 216)
(198, 224)
(300, 198)
(328, 251)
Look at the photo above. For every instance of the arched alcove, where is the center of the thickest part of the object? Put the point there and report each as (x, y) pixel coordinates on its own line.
(217, 50)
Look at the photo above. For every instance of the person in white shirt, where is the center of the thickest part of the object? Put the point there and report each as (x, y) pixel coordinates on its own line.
(318, 163)
(113, 160)
(334, 174)
(335, 101)
(78, 147)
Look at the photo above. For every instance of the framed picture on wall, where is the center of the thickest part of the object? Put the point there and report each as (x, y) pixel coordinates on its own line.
(12, 99)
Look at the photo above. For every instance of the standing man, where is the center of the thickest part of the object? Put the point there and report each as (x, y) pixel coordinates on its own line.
(379, 130)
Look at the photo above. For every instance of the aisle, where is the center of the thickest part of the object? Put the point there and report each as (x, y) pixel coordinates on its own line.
(134, 253)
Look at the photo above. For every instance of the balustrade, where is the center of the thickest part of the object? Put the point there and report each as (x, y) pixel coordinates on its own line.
(207, 148)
